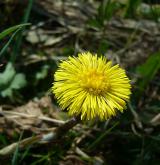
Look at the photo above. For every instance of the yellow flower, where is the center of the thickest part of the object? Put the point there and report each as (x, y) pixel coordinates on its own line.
(91, 87)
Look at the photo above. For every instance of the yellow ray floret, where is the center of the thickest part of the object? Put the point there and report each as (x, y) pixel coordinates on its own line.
(91, 87)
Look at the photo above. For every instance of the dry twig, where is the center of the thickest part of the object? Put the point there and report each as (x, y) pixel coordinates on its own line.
(58, 133)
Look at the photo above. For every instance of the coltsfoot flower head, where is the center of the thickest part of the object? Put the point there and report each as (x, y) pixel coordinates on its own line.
(91, 87)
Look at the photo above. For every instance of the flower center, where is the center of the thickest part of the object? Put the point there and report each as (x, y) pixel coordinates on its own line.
(94, 82)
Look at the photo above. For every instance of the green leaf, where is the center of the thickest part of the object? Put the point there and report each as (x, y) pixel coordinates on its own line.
(148, 70)
(18, 82)
(3, 139)
(7, 75)
(7, 93)
(12, 29)
(94, 23)
(43, 72)
(10, 81)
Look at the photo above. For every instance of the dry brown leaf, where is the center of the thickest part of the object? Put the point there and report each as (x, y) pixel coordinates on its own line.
(155, 120)
(29, 117)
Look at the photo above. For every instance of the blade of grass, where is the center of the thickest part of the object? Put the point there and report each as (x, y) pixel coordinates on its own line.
(19, 37)
(6, 32)
(12, 29)
(102, 136)
(8, 43)
(131, 8)
(44, 158)
(26, 153)
(15, 155)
